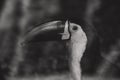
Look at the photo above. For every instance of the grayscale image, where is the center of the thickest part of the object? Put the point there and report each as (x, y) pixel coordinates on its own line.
(59, 40)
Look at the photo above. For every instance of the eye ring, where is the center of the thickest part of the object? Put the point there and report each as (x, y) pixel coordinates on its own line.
(75, 28)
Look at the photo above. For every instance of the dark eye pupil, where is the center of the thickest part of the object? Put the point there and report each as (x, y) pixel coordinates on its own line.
(75, 28)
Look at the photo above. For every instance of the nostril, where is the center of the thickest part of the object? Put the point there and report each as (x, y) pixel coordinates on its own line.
(75, 28)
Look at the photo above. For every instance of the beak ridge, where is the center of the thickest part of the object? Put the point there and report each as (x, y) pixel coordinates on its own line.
(66, 34)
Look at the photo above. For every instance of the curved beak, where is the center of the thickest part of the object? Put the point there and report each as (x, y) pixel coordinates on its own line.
(51, 31)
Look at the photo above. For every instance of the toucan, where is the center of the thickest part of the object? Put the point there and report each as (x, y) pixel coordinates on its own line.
(71, 33)
(82, 43)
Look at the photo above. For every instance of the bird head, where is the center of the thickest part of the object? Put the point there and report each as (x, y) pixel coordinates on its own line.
(74, 32)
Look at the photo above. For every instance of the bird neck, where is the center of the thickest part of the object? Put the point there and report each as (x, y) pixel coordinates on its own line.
(76, 50)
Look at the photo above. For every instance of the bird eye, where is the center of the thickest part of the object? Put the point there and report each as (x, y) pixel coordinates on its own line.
(75, 28)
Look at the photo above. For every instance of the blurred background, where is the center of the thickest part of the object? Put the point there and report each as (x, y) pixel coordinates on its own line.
(99, 18)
